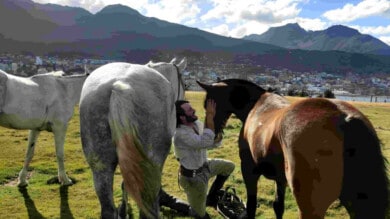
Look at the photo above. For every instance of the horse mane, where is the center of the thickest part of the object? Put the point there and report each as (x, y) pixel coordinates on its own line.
(59, 74)
(162, 65)
(152, 64)
(52, 73)
(243, 83)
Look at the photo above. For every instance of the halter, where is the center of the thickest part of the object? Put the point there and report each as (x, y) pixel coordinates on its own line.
(179, 81)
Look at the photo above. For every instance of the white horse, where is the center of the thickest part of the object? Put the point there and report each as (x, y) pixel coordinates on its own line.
(127, 117)
(41, 102)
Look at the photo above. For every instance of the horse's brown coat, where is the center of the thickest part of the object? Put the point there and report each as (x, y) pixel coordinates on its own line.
(313, 148)
(320, 146)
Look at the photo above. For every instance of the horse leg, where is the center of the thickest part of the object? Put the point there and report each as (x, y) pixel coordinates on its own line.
(122, 209)
(278, 205)
(59, 138)
(251, 177)
(101, 156)
(102, 160)
(103, 182)
(32, 138)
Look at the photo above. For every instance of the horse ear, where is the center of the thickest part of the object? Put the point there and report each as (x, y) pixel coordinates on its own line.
(204, 86)
(149, 63)
(182, 65)
(239, 97)
(173, 61)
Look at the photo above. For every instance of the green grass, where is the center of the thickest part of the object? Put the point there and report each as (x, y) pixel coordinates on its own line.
(42, 200)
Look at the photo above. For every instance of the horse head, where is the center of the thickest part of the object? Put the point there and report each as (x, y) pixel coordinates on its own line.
(172, 72)
(231, 96)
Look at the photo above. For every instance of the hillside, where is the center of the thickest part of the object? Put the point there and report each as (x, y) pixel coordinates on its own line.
(120, 32)
(338, 37)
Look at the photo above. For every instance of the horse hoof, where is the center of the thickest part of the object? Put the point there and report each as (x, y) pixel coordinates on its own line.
(67, 183)
(55, 180)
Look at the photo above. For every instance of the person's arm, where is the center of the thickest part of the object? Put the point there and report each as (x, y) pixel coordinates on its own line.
(209, 121)
(210, 113)
(188, 139)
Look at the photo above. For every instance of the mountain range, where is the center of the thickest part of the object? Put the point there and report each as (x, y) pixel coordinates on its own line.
(120, 32)
(49, 23)
(338, 37)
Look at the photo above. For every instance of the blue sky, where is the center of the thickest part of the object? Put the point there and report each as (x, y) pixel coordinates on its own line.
(239, 18)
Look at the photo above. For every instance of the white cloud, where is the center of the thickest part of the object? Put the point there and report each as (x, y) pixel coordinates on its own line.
(96, 5)
(385, 39)
(305, 23)
(263, 11)
(310, 24)
(137, 5)
(238, 31)
(90, 5)
(242, 18)
(222, 29)
(220, 11)
(179, 11)
(251, 27)
(364, 9)
(379, 30)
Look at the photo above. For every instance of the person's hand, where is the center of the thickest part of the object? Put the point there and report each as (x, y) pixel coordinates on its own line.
(210, 113)
(210, 108)
(218, 138)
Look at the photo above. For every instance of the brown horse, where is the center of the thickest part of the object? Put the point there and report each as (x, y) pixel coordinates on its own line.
(324, 149)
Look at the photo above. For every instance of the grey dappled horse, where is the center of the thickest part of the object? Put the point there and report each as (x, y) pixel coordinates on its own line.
(41, 102)
(127, 117)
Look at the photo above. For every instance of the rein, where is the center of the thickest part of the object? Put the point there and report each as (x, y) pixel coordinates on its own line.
(179, 81)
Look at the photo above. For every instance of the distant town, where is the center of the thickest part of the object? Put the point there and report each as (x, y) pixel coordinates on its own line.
(210, 70)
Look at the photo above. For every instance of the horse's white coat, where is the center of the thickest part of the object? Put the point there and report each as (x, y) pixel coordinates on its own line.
(41, 102)
(120, 100)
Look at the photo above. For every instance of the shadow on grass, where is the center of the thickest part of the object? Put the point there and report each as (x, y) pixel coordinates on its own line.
(168, 213)
(30, 205)
(65, 212)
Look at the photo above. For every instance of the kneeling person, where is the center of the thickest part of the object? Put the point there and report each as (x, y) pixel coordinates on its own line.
(191, 143)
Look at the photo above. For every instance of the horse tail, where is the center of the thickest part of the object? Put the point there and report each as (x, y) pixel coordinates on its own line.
(140, 174)
(365, 191)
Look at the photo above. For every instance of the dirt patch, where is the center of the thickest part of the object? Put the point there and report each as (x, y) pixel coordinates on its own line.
(14, 182)
(382, 128)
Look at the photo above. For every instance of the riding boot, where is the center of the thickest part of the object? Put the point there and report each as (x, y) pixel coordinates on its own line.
(174, 203)
(212, 197)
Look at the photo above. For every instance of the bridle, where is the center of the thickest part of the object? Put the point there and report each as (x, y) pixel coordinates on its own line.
(179, 81)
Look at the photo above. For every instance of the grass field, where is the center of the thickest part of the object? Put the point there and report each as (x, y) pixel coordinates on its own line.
(42, 200)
